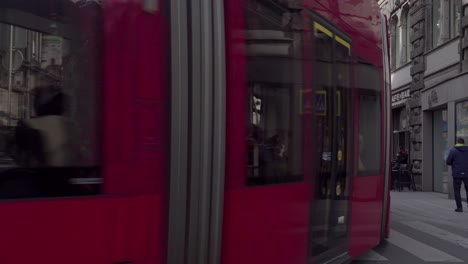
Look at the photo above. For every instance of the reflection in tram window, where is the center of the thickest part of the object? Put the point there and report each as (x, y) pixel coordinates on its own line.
(369, 85)
(274, 79)
(49, 98)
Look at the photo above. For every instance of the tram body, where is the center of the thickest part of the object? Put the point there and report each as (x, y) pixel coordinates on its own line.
(160, 131)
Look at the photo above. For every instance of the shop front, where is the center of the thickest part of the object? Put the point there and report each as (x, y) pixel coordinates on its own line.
(400, 115)
(441, 148)
(445, 117)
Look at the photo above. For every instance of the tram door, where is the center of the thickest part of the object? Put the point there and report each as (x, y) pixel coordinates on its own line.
(333, 134)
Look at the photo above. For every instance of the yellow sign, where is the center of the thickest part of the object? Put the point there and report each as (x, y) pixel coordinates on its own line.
(321, 103)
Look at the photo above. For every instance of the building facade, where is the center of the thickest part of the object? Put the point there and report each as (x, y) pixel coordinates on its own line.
(429, 61)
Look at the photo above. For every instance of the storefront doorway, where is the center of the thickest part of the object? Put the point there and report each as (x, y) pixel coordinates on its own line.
(401, 139)
(440, 144)
(401, 134)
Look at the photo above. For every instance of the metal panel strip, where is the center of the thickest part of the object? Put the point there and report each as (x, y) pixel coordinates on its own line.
(206, 137)
(196, 146)
(179, 134)
(219, 133)
(387, 126)
(201, 129)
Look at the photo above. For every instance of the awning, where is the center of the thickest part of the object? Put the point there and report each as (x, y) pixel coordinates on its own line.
(399, 103)
(399, 98)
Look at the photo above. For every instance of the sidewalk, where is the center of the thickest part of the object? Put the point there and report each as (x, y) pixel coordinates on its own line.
(427, 206)
(424, 229)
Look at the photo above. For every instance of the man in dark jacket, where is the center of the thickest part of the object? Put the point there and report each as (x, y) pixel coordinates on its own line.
(458, 159)
(402, 156)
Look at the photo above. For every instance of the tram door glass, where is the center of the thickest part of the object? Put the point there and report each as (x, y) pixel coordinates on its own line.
(333, 118)
(50, 54)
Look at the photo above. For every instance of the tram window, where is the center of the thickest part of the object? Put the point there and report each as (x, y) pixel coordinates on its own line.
(274, 84)
(49, 98)
(370, 119)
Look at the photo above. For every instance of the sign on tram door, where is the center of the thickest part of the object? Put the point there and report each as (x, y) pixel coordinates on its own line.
(319, 104)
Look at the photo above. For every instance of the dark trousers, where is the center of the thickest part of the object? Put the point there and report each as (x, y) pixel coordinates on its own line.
(457, 182)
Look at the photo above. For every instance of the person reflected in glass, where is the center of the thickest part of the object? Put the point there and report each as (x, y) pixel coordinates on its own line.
(45, 139)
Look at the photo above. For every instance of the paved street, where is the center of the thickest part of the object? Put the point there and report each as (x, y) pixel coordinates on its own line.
(424, 229)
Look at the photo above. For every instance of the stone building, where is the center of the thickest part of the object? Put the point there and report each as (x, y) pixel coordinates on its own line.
(429, 61)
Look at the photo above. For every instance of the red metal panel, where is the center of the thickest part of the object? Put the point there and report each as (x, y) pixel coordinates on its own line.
(236, 96)
(368, 192)
(266, 225)
(137, 94)
(109, 230)
(255, 228)
(137, 129)
(101, 230)
(119, 106)
(362, 16)
(366, 216)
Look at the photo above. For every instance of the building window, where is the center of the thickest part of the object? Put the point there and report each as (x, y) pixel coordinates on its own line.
(395, 43)
(455, 16)
(403, 42)
(436, 22)
(445, 21)
(408, 32)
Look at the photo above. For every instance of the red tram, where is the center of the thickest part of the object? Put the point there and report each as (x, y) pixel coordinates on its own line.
(173, 131)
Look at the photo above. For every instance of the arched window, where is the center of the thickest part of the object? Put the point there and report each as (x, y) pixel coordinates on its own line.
(405, 36)
(395, 42)
(446, 20)
(437, 20)
(409, 32)
(455, 16)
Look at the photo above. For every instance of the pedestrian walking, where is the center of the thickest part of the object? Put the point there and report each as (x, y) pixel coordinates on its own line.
(458, 159)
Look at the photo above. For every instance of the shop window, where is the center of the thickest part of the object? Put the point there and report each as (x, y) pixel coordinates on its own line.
(370, 119)
(49, 98)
